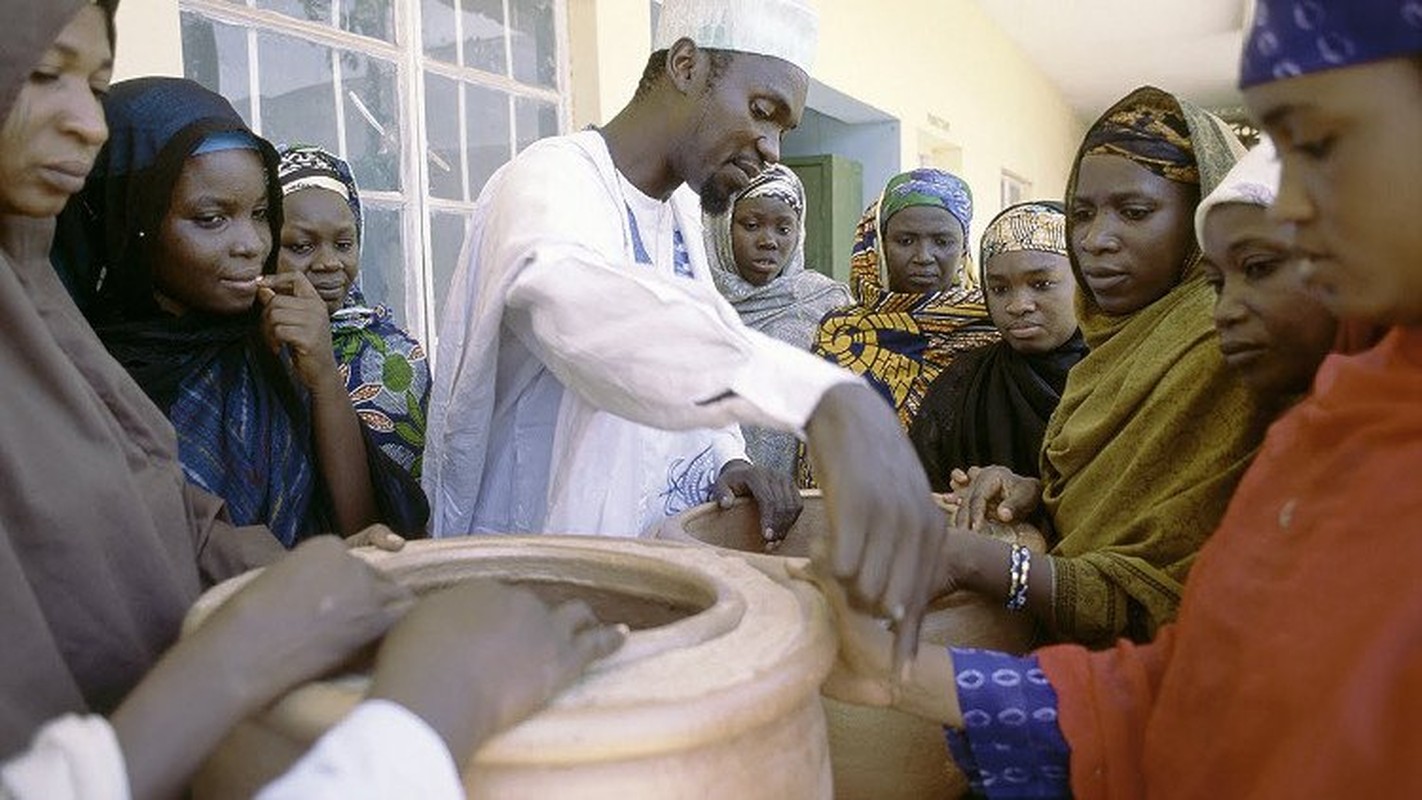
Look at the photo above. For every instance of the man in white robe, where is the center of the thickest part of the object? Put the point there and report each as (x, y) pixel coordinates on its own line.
(588, 373)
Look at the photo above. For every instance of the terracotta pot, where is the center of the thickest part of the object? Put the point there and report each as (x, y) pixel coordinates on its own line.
(877, 754)
(715, 691)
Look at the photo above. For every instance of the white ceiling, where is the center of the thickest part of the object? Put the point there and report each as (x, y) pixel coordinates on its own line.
(1098, 50)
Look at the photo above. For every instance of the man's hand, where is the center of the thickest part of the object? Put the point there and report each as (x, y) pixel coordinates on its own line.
(884, 525)
(776, 496)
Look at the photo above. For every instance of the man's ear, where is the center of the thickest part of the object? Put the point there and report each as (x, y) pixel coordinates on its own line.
(685, 63)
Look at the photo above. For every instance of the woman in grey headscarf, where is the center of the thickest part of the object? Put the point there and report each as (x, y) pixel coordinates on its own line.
(757, 254)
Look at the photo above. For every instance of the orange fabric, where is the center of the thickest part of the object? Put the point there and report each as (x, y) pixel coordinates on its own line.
(1295, 666)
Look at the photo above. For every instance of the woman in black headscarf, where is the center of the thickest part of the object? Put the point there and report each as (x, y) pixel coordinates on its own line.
(173, 238)
(991, 405)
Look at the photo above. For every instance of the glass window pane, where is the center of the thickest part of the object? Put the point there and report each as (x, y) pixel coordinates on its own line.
(488, 131)
(298, 97)
(437, 30)
(373, 18)
(313, 10)
(484, 35)
(372, 120)
(382, 260)
(215, 55)
(446, 239)
(442, 137)
(534, 120)
(534, 42)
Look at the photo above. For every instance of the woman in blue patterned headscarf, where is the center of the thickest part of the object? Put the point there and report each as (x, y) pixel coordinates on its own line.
(916, 303)
(385, 370)
(174, 251)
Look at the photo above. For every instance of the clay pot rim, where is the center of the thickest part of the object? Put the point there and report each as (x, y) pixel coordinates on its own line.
(569, 730)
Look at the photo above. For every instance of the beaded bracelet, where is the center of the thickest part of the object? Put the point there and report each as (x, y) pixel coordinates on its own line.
(1020, 566)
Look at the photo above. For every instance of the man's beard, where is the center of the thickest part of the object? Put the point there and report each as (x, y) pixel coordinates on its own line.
(715, 198)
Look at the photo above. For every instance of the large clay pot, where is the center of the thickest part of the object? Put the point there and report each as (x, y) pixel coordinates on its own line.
(877, 754)
(714, 694)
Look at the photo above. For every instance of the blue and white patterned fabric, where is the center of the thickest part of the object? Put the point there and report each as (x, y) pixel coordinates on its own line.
(1297, 37)
(1011, 745)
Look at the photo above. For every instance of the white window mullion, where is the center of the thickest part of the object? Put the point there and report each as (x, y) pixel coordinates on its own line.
(419, 269)
(254, 77)
(337, 86)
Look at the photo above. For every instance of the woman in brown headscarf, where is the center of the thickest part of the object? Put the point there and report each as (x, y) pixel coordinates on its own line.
(1153, 431)
(103, 544)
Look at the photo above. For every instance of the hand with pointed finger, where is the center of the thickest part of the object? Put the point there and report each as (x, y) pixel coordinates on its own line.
(994, 494)
(295, 316)
(776, 496)
(479, 656)
(883, 524)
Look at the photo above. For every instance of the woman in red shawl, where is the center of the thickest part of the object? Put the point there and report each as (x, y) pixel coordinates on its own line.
(1294, 668)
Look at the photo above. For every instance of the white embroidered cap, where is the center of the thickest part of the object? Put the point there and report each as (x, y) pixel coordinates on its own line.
(1253, 181)
(785, 29)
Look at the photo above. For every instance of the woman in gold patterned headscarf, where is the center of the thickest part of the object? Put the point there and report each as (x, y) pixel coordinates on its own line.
(1153, 431)
(991, 405)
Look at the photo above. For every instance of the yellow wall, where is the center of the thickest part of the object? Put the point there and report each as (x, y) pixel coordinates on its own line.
(150, 39)
(609, 44)
(967, 97)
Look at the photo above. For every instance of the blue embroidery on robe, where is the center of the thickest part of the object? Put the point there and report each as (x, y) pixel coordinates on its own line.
(689, 482)
(681, 257)
(639, 250)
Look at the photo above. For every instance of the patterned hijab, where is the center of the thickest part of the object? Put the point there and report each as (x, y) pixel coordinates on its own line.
(310, 167)
(1038, 226)
(1297, 37)
(991, 405)
(790, 306)
(900, 341)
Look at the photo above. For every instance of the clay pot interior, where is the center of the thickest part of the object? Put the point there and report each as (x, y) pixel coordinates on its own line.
(640, 605)
(665, 605)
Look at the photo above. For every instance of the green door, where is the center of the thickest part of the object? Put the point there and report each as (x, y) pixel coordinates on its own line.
(834, 200)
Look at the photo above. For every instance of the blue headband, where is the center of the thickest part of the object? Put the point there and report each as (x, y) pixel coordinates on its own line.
(227, 140)
(1297, 37)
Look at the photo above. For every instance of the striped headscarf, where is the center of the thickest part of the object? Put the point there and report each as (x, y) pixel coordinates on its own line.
(1152, 132)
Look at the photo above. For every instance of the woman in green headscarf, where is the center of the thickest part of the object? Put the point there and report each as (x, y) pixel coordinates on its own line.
(1153, 431)
(916, 305)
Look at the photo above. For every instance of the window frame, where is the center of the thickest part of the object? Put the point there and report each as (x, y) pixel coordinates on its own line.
(414, 201)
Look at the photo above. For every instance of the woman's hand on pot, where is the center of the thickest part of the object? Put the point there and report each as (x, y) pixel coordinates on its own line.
(479, 656)
(995, 494)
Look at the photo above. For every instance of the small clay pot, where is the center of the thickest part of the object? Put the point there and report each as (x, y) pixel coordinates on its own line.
(715, 690)
(877, 754)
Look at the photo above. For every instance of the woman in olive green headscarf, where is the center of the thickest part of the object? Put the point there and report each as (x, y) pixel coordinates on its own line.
(1153, 431)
